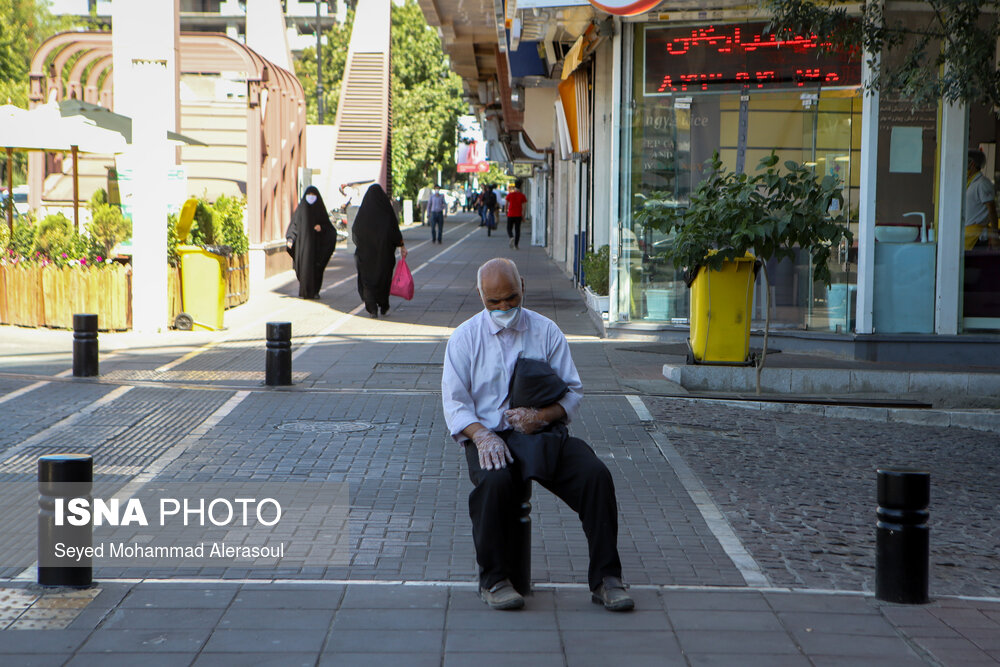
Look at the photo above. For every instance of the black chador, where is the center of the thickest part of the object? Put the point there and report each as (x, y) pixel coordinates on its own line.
(376, 236)
(311, 241)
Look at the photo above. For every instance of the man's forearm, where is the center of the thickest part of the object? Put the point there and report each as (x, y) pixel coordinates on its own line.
(472, 429)
(552, 413)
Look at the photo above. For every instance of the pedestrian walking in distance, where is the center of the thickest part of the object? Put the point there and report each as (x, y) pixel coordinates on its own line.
(515, 214)
(490, 208)
(376, 236)
(310, 240)
(437, 208)
(506, 446)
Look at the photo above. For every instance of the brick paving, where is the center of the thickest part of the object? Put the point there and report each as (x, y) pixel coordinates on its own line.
(796, 489)
(800, 491)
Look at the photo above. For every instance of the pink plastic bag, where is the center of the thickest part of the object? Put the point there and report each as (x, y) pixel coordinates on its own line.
(402, 281)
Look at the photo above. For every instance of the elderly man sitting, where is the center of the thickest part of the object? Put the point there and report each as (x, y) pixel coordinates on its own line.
(479, 361)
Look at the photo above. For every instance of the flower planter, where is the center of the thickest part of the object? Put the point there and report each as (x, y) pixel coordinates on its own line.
(597, 303)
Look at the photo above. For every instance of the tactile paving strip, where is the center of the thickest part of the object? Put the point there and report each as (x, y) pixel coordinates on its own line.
(194, 376)
(129, 433)
(22, 609)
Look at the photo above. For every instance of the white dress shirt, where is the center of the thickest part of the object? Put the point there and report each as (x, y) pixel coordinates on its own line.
(480, 358)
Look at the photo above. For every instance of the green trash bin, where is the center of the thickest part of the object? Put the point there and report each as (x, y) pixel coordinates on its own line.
(203, 279)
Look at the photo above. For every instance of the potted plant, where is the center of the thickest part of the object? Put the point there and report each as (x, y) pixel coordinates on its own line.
(596, 273)
(736, 218)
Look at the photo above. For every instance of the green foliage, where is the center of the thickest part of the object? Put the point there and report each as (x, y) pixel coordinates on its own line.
(79, 248)
(768, 214)
(20, 33)
(99, 198)
(596, 270)
(426, 94)
(108, 227)
(24, 237)
(51, 240)
(951, 54)
(172, 241)
(334, 55)
(214, 224)
(205, 230)
(426, 102)
(229, 213)
(497, 176)
(24, 24)
(52, 234)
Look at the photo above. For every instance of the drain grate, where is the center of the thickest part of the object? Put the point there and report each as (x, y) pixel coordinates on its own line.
(383, 366)
(326, 426)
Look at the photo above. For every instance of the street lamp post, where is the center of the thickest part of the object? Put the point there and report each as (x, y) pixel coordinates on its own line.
(319, 66)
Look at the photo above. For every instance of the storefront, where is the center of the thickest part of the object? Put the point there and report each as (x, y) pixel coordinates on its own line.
(689, 90)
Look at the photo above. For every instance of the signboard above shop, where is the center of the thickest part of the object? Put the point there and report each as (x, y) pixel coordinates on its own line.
(470, 149)
(625, 7)
(738, 56)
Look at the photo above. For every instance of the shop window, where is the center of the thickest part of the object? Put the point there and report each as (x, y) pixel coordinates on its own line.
(726, 89)
(980, 258)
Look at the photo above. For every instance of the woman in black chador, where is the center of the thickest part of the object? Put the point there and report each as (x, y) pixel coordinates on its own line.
(376, 236)
(311, 241)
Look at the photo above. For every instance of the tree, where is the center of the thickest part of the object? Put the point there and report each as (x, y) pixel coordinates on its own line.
(24, 25)
(497, 176)
(108, 227)
(426, 102)
(947, 52)
(338, 39)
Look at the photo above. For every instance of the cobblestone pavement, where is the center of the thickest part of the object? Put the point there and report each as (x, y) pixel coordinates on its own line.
(800, 491)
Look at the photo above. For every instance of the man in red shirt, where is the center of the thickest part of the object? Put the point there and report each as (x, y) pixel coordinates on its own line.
(515, 212)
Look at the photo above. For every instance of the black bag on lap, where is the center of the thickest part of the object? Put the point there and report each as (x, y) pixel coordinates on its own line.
(534, 384)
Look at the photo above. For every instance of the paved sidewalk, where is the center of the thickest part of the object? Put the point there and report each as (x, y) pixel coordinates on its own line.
(157, 623)
(733, 559)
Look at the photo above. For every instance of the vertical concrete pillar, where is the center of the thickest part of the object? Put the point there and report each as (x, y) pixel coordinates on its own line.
(256, 98)
(145, 39)
(865, 314)
(953, 150)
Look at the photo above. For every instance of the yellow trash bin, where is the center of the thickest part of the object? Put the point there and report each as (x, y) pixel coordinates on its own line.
(203, 279)
(203, 288)
(721, 307)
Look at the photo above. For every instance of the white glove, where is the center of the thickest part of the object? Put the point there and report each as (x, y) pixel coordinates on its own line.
(493, 452)
(525, 420)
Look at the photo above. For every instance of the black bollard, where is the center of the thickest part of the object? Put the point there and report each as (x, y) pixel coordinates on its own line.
(902, 541)
(279, 354)
(84, 345)
(521, 579)
(62, 477)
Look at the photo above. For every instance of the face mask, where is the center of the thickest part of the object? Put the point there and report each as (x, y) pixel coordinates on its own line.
(505, 318)
(310, 199)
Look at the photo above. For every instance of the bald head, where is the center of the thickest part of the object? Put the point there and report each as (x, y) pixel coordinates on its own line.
(500, 285)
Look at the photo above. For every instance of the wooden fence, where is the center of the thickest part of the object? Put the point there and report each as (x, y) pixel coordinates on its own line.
(237, 280)
(37, 296)
(48, 296)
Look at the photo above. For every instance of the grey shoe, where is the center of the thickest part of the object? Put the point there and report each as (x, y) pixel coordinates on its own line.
(502, 596)
(611, 593)
(511, 244)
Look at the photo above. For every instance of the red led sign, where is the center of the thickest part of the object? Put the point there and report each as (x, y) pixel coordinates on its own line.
(680, 60)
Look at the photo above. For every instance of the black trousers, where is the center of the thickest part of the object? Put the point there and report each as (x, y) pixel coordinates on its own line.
(581, 480)
(514, 229)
